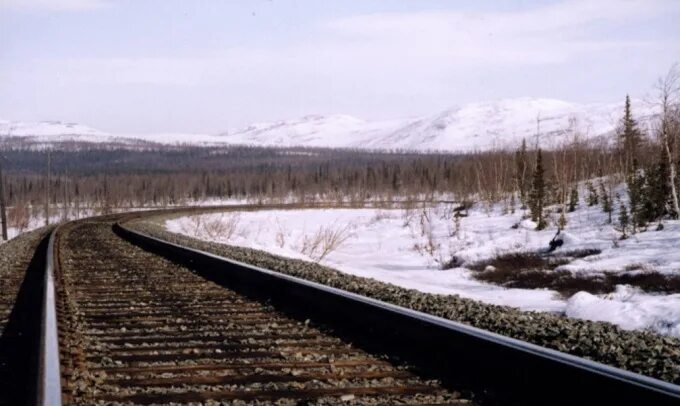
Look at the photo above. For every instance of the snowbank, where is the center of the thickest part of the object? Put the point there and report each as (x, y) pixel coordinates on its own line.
(384, 245)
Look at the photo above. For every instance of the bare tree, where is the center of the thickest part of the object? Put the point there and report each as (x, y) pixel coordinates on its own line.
(668, 89)
(3, 202)
(3, 213)
(47, 188)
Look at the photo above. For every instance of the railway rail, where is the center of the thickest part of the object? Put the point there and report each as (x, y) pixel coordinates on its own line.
(136, 328)
(130, 319)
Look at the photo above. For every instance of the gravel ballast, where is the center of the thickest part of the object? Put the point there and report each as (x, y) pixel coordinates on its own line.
(643, 352)
(145, 330)
(15, 256)
(21, 276)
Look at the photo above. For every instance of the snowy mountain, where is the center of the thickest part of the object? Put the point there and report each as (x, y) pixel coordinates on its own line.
(335, 131)
(56, 132)
(46, 131)
(503, 124)
(475, 126)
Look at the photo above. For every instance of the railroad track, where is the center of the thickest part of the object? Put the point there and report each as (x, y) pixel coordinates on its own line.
(136, 328)
(136, 320)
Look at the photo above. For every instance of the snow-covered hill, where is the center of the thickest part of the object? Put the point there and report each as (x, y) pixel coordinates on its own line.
(46, 131)
(335, 131)
(55, 132)
(482, 126)
(475, 126)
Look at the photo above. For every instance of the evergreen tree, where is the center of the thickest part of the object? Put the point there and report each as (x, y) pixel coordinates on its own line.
(630, 138)
(656, 192)
(537, 194)
(573, 199)
(593, 198)
(624, 220)
(606, 201)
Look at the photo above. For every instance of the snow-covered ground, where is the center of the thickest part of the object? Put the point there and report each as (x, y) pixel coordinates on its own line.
(391, 245)
(470, 127)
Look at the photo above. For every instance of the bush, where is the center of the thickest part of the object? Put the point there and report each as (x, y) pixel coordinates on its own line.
(324, 241)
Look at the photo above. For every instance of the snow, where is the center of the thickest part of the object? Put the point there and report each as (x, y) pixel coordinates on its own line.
(335, 131)
(503, 124)
(45, 131)
(382, 247)
(46, 128)
(630, 309)
(470, 127)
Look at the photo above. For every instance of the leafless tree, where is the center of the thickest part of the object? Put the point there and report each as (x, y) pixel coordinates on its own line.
(3, 202)
(19, 217)
(668, 89)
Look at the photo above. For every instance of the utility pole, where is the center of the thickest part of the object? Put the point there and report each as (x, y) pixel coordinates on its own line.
(47, 189)
(3, 214)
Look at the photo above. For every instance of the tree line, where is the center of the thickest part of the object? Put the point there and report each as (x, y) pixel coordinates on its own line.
(646, 162)
(104, 178)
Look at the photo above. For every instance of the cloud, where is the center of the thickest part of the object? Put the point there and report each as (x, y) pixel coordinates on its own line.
(385, 48)
(54, 5)
(542, 35)
(558, 16)
(374, 65)
(232, 65)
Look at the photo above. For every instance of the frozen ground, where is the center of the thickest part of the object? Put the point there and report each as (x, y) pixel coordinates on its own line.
(406, 247)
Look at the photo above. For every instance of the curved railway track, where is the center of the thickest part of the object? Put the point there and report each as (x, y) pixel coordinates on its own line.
(135, 320)
(136, 328)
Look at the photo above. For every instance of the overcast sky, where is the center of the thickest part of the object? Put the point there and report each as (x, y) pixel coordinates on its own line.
(207, 66)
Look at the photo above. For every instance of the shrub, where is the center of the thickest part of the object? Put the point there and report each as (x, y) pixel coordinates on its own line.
(325, 240)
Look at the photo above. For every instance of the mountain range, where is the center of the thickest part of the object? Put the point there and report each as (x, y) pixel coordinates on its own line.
(470, 127)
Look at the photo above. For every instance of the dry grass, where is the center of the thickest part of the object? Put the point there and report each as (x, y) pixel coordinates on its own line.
(529, 270)
(520, 262)
(428, 245)
(381, 215)
(191, 225)
(223, 228)
(19, 217)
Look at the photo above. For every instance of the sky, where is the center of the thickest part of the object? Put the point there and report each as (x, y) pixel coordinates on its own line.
(143, 66)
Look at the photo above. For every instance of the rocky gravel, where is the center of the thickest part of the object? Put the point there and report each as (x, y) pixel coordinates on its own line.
(643, 352)
(20, 283)
(15, 256)
(140, 329)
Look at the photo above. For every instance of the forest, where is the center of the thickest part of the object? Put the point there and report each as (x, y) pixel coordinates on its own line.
(103, 178)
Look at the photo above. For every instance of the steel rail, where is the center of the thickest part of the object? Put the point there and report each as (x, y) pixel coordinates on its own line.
(525, 372)
(49, 377)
